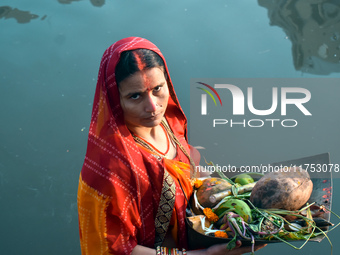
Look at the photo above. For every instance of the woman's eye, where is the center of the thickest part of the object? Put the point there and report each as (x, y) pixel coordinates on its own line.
(135, 96)
(158, 88)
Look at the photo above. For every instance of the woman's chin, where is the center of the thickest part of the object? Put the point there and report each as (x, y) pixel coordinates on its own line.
(152, 122)
(145, 122)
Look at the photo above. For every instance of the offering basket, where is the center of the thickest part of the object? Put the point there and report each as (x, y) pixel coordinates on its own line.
(321, 195)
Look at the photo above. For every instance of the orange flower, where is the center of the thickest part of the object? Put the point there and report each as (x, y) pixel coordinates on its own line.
(211, 216)
(198, 183)
(221, 234)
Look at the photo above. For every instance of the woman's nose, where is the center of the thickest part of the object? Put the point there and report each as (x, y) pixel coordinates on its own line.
(151, 103)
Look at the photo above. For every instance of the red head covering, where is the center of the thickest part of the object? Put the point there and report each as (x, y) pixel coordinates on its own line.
(116, 167)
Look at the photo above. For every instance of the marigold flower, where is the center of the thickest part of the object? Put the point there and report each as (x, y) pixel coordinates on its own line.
(211, 216)
(198, 183)
(221, 234)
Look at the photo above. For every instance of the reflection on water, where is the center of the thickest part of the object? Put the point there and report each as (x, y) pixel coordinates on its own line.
(67, 1)
(8, 12)
(97, 2)
(93, 2)
(314, 28)
(20, 16)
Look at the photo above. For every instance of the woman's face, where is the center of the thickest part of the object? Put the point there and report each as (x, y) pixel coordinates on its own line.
(144, 98)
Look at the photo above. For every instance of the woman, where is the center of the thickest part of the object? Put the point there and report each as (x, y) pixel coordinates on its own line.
(136, 175)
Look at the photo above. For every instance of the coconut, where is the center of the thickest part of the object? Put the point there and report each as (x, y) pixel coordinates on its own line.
(288, 188)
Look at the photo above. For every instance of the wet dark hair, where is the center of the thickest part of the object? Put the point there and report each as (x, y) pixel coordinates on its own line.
(137, 60)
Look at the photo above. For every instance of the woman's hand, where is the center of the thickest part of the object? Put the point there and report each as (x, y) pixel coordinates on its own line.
(217, 249)
(221, 249)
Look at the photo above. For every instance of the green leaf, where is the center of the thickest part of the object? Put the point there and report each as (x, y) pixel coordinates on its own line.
(219, 172)
(232, 244)
(234, 190)
(254, 227)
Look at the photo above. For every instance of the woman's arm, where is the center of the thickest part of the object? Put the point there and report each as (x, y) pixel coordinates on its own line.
(221, 249)
(143, 250)
(218, 249)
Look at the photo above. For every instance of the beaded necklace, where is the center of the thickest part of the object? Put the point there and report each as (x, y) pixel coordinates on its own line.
(144, 142)
(172, 137)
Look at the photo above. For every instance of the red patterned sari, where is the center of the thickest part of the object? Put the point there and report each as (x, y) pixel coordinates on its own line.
(126, 195)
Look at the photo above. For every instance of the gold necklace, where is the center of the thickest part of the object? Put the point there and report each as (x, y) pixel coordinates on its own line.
(153, 147)
(173, 138)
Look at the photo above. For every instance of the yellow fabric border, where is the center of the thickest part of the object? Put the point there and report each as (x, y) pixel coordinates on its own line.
(92, 209)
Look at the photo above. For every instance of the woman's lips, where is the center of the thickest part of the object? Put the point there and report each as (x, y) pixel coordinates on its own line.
(152, 117)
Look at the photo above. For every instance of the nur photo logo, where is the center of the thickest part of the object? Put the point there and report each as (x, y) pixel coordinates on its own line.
(243, 102)
(204, 97)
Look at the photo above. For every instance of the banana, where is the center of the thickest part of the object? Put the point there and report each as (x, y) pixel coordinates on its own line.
(236, 205)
